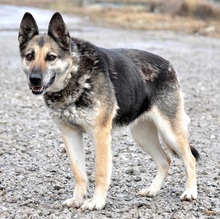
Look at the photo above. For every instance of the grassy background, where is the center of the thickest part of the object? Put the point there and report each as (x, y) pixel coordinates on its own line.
(189, 16)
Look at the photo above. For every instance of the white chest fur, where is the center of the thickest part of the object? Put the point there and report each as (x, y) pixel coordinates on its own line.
(75, 106)
(82, 118)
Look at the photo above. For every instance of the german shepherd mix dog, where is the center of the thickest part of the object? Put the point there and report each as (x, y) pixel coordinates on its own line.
(91, 89)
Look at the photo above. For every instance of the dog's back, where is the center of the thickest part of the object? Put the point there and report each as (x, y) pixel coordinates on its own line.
(140, 79)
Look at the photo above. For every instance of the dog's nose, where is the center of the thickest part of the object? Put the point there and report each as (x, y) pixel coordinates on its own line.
(35, 78)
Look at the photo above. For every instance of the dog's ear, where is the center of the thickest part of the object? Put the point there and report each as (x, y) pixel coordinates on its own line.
(28, 29)
(58, 31)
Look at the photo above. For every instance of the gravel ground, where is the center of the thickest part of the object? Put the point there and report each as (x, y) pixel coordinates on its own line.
(35, 176)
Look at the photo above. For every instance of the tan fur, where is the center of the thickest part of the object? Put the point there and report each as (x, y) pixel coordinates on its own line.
(103, 160)
(40, 54)
(180, 130)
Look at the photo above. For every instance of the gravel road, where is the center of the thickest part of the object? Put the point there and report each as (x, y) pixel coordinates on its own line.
(35, 176)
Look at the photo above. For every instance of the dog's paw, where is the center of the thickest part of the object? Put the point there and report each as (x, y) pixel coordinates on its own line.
(73, 202)
(148, 192)
(189, 196)
(93, 204)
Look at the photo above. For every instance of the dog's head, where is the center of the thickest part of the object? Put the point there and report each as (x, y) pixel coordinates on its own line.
(46, 58)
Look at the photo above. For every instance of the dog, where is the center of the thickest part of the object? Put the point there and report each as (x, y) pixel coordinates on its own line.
(89, 89)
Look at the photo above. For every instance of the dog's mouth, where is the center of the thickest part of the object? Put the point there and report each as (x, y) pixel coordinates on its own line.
(37, 90)
(41, 89)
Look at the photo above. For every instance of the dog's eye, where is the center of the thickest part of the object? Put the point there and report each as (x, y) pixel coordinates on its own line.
(50, 58)
(29, 57)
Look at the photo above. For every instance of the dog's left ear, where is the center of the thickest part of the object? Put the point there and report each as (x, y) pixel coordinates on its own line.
(57, 29)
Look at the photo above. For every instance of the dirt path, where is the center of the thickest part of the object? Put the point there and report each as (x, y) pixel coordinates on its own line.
(35, 176)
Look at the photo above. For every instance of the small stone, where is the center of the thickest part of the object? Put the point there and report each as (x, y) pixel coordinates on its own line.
(127, 198)
(62, 148)
(45, 212)
(4, 208)
(137, 178)
(129, 171)
(212, 137)
(204, 172)
(57, 187)
(57, 206)
(139, 204)
(61, 191)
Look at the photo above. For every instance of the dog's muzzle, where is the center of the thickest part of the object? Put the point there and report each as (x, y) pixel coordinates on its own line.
(36, 83)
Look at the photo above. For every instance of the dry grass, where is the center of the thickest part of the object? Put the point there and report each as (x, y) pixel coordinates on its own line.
(139, 18)
(189, 16)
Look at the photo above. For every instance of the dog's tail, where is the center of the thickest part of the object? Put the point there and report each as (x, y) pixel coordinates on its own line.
(195, 153)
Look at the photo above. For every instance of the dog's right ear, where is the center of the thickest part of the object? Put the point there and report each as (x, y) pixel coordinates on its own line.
(28, 29)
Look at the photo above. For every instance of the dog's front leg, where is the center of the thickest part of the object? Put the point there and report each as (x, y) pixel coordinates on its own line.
(103, 167)
(73, 141)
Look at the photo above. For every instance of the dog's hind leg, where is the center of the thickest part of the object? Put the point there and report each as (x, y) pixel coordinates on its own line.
(73, 141)
(175, 135)
(145, 134)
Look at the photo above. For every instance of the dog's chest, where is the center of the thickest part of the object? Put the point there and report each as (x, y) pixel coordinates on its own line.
(75, 107)
(79, 116)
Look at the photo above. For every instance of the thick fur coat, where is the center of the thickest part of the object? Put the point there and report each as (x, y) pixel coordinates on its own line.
(89, 89)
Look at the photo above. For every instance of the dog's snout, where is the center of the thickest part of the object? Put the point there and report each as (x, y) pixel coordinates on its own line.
(35, 78)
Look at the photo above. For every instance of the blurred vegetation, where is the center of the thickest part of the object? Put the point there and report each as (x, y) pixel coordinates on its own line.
(190, 16)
